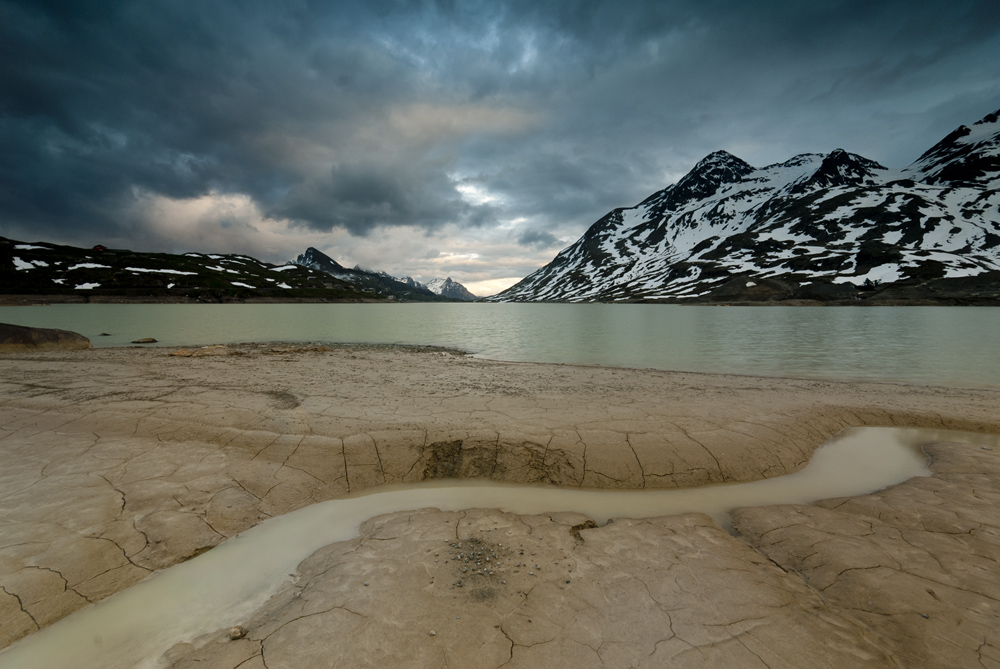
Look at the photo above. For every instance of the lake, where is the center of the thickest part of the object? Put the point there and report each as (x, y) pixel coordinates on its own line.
(955, 346)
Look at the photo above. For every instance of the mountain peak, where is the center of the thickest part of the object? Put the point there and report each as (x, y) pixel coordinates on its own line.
(316, 259)
(989, 118)
(711, 172)
(820, 227)
(966, 155)
(720, 156)
(841, 168)
(448, 288)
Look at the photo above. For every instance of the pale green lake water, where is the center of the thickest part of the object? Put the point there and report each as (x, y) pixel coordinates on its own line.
(956, 346)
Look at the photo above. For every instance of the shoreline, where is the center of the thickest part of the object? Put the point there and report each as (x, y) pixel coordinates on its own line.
(46, 300)
(160, 457)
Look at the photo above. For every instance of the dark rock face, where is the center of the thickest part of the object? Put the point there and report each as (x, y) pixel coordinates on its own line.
(825, 228)
(707, 177)
(69, 273)
(316, 259)
(365, 280)
(14, 338)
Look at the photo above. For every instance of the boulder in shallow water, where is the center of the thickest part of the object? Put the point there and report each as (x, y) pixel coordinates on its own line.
(14, 338)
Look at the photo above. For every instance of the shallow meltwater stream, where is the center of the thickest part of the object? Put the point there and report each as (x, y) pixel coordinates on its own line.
(223, 586)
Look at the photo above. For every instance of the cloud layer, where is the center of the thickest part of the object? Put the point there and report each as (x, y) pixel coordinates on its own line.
(488, 133)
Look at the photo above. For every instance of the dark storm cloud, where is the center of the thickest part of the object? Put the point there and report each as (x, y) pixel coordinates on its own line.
(363, 114)
(538, 238)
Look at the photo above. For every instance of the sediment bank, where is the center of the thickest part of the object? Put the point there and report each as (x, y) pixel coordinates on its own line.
(123, 461)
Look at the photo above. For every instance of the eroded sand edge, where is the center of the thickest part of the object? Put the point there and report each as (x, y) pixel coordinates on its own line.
(119, 461)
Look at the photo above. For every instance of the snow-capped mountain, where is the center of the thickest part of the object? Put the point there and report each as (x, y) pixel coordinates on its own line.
(816, 227)
(405, 287)
(443, 287)
(377, 282)
(448, 288)
(42, 270)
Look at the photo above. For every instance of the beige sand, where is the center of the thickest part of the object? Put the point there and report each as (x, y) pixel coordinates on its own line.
(904, 577)
(119, 461)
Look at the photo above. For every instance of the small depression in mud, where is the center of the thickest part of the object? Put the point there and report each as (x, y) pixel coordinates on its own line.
(224, 585)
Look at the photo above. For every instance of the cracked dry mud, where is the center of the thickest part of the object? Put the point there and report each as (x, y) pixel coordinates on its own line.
(674, 591)
(122, 461)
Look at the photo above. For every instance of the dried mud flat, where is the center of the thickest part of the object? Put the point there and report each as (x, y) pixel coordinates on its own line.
(117, 462)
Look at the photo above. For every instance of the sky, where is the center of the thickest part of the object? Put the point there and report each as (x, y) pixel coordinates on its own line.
(466, 139)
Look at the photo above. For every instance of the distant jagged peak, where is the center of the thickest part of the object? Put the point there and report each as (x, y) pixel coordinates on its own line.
(409, 281)
(316, 259)
(447, 287)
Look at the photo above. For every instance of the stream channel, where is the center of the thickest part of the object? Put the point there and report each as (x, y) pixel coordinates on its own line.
(223, 586)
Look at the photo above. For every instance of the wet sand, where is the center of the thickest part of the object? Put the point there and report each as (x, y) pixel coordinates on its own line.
(122, 461)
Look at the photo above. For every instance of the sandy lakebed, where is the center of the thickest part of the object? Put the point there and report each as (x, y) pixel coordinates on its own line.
(120, 462)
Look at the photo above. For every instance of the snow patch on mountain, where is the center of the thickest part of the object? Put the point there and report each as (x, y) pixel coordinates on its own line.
(448, 288)
(838, 219)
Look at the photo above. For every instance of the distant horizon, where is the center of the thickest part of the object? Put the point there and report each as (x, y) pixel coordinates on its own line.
(507, 282)
(472, 140)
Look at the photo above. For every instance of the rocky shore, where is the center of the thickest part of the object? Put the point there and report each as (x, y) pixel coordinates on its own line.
(122, 461)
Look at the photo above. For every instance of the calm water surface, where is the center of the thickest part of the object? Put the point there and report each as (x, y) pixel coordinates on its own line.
(936, 345)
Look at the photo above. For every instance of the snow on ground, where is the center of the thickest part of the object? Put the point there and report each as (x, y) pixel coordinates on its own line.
(159, 271)
(30, 247)
(243, 285)
(955, 272)
(283, 268)
(980, 132)
(21, 264)
(283, 285)
(883, 274)
(89, 265)
(87, 286)
(783, 234)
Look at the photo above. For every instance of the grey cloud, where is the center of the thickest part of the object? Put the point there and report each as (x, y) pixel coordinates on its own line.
(359, 197)
(294, 105)
(537, 238)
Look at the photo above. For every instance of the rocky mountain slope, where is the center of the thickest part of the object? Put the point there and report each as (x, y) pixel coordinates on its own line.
(449, 288)
(836, 227)
(68, 273)
(403, 287)
(363, 279)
